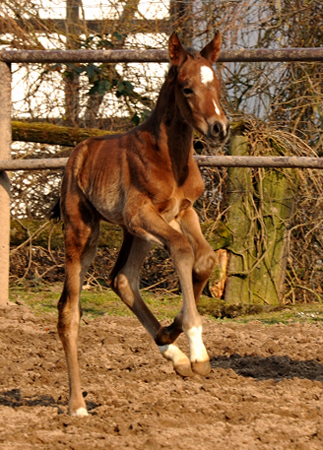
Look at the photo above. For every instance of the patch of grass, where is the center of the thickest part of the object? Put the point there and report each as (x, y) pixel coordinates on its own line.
(95, 302)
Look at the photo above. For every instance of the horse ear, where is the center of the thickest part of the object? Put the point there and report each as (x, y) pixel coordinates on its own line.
(212, 49)
(176, 51)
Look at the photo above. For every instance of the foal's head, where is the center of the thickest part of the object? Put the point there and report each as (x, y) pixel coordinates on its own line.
(197, 88)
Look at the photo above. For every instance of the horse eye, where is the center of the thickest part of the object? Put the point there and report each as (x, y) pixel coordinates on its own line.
(187, 91)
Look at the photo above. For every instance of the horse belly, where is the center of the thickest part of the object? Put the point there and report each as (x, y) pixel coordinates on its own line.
(109, 202)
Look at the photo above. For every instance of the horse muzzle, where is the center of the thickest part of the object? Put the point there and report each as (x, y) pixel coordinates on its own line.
(218, 133)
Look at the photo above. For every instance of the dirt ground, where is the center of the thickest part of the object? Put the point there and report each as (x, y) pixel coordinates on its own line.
(264, 392)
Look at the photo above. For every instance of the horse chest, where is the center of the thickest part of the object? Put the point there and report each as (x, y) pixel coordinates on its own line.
(181, 198)
(189, 186)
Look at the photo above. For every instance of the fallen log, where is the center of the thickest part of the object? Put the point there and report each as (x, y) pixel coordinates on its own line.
(47, 133)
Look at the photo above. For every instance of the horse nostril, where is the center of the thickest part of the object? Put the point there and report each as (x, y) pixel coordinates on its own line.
(216, 129)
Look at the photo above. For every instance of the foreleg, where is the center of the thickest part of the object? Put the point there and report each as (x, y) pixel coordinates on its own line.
(184, 256)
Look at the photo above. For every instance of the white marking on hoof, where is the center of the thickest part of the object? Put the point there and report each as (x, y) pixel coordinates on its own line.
(217, 109)
(81, 412)
(207, 75)
(180, 361)
(198, 351)
(173, 353)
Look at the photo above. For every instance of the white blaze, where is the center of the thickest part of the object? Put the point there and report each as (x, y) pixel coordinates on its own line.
(207, 75)
(217, 109)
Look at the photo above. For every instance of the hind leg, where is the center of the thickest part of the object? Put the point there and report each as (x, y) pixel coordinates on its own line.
(81, 237)
(124, 280)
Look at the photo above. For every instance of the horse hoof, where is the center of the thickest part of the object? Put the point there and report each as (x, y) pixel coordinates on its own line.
(184, 370)
(201, 368)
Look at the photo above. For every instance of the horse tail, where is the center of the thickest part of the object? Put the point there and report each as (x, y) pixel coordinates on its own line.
(55, 212)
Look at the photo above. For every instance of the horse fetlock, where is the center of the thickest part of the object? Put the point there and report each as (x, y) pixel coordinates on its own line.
(198, 353)
(167, 335)
(81, 412)
(76, 406)
(180, 361)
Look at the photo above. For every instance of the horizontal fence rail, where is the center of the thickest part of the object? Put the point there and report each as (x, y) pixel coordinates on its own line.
(300, 162)
(33, 164)
(157, 56)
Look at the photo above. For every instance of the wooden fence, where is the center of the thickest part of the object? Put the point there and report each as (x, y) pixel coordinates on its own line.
(116, 56)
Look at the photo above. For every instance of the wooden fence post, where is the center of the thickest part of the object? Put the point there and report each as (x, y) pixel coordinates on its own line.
(5, 154)
(240, 189)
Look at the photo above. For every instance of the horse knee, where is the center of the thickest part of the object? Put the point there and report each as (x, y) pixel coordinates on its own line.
(204, 264)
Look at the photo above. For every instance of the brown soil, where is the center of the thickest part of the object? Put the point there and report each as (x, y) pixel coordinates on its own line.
(264, 391)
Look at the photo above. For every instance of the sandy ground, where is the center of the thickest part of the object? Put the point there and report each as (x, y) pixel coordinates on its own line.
(264, 392)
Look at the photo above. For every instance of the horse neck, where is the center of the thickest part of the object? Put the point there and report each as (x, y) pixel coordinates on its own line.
(171, 130)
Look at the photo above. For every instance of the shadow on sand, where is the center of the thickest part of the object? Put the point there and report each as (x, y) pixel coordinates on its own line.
(273, 367)
(14, 399)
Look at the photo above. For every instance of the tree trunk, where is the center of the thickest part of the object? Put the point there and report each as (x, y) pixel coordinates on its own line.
(277, 207)
(260, 205)
(240, 191)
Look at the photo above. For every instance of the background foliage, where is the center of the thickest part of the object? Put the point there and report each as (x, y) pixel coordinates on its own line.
(286, 97)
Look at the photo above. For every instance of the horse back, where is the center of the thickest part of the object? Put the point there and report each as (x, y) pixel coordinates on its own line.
(114, 170)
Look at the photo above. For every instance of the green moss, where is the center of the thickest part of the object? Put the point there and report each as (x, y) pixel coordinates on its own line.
(48, 133)
(217, 234)
(219, 309)
(210, 306)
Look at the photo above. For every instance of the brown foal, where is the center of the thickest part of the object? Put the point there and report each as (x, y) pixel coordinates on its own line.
(146, 181)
